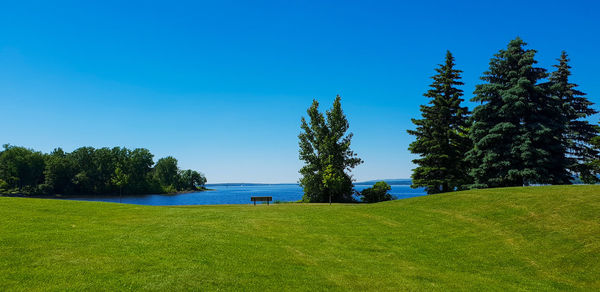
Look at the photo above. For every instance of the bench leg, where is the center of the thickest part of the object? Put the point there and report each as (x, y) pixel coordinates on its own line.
(254, 203)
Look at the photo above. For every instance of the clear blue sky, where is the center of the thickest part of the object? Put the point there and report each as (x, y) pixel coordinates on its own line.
(221, 85)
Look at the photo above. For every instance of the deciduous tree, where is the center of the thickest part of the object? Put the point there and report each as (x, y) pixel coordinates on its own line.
(325, 149)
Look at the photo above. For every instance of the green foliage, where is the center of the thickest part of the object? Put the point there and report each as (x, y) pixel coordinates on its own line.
(59, 172)
(120, 179)
(516, 129)
(377, 193)
(510, 239)
(441, 135)
(3, 185)
(592, 164)
(21, 167)
(138, 166)
(578, 133)
(523, 132)
(166, 171)
(169, 189)
(333, 181)
(325, 149)
(92, 171)
(191, 180)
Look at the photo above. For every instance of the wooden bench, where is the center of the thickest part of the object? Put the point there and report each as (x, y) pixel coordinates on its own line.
(261, 199)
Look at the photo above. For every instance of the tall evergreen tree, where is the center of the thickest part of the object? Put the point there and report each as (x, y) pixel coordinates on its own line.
(579, 132)
(325, 149)
(441, 135)
(516, 129)
(594, 163)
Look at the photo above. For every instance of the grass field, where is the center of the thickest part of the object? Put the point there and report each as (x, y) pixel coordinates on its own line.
(534, 238)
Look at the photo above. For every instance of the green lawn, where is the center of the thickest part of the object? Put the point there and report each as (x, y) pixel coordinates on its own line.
(535, 238)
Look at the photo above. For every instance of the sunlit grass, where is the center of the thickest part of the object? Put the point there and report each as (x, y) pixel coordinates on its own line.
(536, 238)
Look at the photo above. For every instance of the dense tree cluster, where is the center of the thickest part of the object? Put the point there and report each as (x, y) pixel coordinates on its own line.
(530, 127)
(87, 170)
(325, 149)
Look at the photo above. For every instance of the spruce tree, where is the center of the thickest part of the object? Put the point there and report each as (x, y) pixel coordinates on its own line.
(516, 128)
(325, 149)
(441, 134)
(579, 132)
(594, 163)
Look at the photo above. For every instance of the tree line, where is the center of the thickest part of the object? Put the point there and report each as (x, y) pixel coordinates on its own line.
(530, 127)
(87, 170)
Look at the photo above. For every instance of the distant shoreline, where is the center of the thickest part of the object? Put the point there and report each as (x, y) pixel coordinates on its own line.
(369, 182)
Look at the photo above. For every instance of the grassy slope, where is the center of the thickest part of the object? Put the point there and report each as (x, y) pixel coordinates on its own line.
(515, 238)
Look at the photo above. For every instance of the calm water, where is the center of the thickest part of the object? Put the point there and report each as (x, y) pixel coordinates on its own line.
(236, 195)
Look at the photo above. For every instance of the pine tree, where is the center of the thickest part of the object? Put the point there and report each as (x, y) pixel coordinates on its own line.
(441, 134)
(579, 133)
(594, 163)
(516, 129)
(325, 149)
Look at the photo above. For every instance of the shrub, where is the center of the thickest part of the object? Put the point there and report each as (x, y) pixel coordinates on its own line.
(377, 193)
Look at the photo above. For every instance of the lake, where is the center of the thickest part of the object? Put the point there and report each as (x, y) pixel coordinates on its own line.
(237, 194)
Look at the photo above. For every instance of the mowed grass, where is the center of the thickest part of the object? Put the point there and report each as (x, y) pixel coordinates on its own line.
(534, 238)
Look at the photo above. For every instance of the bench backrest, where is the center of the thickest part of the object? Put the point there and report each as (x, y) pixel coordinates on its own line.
(261, 199)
